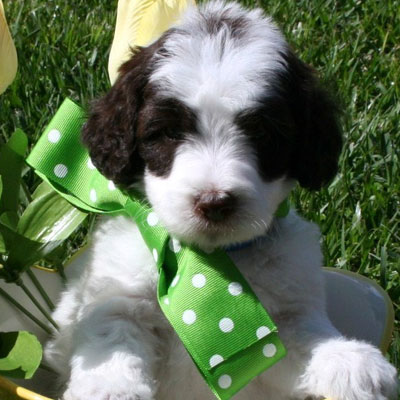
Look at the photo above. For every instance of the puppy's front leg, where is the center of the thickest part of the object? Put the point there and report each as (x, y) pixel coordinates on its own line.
(343, 369)
(115, 355)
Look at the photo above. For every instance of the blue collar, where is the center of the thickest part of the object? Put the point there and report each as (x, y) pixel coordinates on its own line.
(281, 212)
(242, 245)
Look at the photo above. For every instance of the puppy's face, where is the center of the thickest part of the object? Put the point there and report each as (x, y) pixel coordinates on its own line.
(203, 171)
(217, 119)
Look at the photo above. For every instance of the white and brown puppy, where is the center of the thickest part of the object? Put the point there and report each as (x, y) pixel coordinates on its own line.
(215, 121)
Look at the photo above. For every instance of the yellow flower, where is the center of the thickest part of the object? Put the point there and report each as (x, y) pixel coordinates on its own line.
(8, 54)
(139, 22)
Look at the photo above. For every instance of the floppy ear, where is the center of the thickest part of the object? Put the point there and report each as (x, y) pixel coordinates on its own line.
(318, 138)
(109, 132)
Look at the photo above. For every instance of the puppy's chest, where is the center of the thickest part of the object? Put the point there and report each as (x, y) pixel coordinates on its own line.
(267, 274)
(266, 277)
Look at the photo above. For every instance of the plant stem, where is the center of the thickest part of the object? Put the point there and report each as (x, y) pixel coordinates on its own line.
(24, 310)
(36, 303)
(60, 270)
(40, 289)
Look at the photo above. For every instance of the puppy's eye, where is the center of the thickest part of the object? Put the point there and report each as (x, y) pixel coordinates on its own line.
(172, 134)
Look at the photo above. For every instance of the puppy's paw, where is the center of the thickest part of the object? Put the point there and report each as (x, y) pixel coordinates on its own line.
(105, 387)
(349, 370)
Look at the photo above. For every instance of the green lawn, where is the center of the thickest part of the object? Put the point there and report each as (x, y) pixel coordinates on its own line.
(355, 45)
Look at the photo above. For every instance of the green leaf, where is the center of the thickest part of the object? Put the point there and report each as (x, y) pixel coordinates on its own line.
(11, 164)
(22, 252)
(10, 219)
(49, 217)
(20, 354)
(41, 190)
(18, 142)
(6, 229)
(43, 226)
(2, 244)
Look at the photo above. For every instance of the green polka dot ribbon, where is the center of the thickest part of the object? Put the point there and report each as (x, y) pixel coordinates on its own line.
(212, 308)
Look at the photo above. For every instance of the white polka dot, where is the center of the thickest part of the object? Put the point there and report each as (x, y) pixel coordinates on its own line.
(174, 245)
(93, 195)
(90, 164)
(226, 325)
(215, 360)
(189, 317)
(262, 331)
(175, 281)
(235, 288)
(152, 219)
(224, 381)
(166, 301)
(54, 136)
(269, 350)
(111, 185)
(60, 170)
(155, 255)
(199, 280)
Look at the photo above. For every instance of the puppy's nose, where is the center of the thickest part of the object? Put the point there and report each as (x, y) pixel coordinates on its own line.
(215, 205)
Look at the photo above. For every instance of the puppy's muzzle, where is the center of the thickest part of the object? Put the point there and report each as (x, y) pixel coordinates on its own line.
(215, 206)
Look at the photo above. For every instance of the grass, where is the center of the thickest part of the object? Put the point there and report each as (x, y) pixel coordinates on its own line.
(63, 50)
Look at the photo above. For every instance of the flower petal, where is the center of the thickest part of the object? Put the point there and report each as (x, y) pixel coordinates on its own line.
(8, 54)
(139, 22)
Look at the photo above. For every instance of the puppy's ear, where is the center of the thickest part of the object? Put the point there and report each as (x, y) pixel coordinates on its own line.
(109, 132)
(319, 137)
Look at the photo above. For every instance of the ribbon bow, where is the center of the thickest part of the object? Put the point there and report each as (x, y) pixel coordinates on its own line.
(217, 316)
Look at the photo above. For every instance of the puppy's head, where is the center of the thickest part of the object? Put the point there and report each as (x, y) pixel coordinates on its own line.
(217, 119)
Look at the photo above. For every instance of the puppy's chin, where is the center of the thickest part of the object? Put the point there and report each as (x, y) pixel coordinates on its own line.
(251, 217)
(209, 236)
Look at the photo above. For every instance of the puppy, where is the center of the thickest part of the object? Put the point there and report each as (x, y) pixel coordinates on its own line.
(215, 122)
